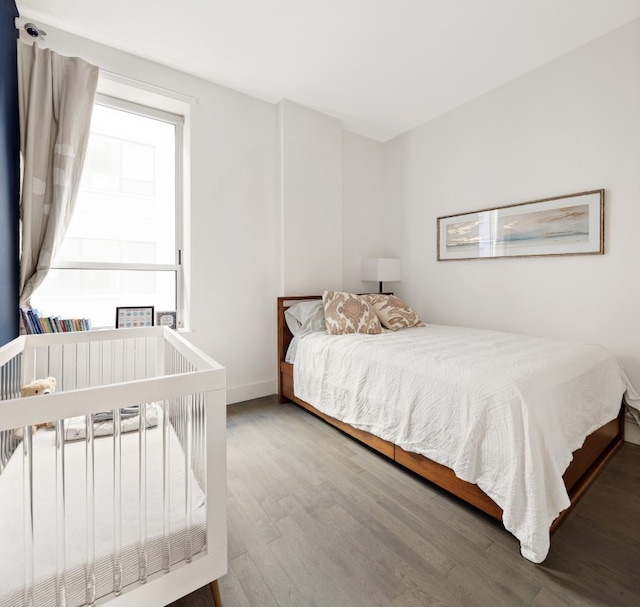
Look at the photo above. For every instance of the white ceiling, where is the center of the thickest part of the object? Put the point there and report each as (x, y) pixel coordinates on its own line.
(380, 66)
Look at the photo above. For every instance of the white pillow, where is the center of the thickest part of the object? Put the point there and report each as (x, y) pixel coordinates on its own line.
(305, 317)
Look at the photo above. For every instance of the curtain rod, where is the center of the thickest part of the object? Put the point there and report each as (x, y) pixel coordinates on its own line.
(21, 22)
(152, 88)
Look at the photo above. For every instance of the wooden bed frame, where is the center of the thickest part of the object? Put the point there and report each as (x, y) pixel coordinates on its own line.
(588, 461)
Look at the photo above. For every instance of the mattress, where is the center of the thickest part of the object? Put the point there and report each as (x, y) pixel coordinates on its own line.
(503, 411)
(12, 515)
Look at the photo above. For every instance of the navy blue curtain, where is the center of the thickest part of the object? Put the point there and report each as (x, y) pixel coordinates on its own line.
(9, 173)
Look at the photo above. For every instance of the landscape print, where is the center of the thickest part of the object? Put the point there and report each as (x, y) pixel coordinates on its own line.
(565, 225)
(550, 227)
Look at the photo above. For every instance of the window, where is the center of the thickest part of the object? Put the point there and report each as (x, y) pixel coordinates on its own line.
(123, 246)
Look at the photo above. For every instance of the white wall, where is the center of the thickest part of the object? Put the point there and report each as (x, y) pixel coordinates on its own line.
(284, 201)
(234, 216)
(572, 125)
(311, 200)
(364, 210)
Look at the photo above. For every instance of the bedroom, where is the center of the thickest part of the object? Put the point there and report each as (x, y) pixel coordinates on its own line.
(533, 137)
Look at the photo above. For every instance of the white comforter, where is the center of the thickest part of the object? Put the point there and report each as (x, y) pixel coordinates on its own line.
(503, 411)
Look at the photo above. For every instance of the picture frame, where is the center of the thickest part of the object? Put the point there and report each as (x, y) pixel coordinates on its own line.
(572, 224)
(167, 318)
(129, 317)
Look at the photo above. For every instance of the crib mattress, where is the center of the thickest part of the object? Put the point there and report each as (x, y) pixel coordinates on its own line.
(12, 516)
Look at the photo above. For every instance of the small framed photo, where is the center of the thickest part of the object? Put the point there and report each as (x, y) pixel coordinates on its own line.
(134, 316)
(168, 318)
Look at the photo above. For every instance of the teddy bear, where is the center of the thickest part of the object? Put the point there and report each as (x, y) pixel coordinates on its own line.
(36, 387)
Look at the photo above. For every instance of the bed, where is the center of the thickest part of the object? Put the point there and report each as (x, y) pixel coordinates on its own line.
(123, 501)
(556, 457)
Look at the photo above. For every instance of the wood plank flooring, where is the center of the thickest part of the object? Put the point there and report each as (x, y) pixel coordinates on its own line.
(316, 519)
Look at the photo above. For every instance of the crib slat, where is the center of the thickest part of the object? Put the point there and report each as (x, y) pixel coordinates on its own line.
(91, 513)
(166, 488)
(60, 517)
(117, 504)
(142, 492)
(27, 480)
(188, 512)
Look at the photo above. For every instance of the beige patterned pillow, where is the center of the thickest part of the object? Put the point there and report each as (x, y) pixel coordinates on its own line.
(347, 313)
(392, 312)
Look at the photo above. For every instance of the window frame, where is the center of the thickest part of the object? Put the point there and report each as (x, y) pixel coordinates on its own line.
(177, 267)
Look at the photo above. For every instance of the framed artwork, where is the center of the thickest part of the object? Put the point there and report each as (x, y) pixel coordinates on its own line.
(564, 225)
(167, 319)
(134, 316)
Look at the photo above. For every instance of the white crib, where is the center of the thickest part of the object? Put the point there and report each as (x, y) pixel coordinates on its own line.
(133, 518)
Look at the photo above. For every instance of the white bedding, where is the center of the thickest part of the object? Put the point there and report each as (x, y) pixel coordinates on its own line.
(503, 411)
(11, 515)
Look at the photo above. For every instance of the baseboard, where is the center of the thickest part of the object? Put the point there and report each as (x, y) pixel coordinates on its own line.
(239, 394)
(631, 431)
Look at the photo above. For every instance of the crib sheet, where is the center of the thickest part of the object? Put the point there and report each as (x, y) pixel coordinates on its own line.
(12, 516)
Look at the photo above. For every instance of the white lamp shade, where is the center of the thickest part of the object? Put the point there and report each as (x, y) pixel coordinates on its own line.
(382, 269)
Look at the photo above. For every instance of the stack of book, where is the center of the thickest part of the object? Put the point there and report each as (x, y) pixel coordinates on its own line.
(34, 323)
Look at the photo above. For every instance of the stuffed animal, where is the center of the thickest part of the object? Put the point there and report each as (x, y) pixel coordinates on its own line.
(36, 387)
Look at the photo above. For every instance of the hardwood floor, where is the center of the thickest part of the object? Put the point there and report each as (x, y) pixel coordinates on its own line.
(316, 519)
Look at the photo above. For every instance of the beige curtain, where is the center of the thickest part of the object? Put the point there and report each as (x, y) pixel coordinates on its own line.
(55, 97)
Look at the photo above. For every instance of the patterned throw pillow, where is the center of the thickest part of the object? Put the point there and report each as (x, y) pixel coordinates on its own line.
(392, 312)
(347, 313)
